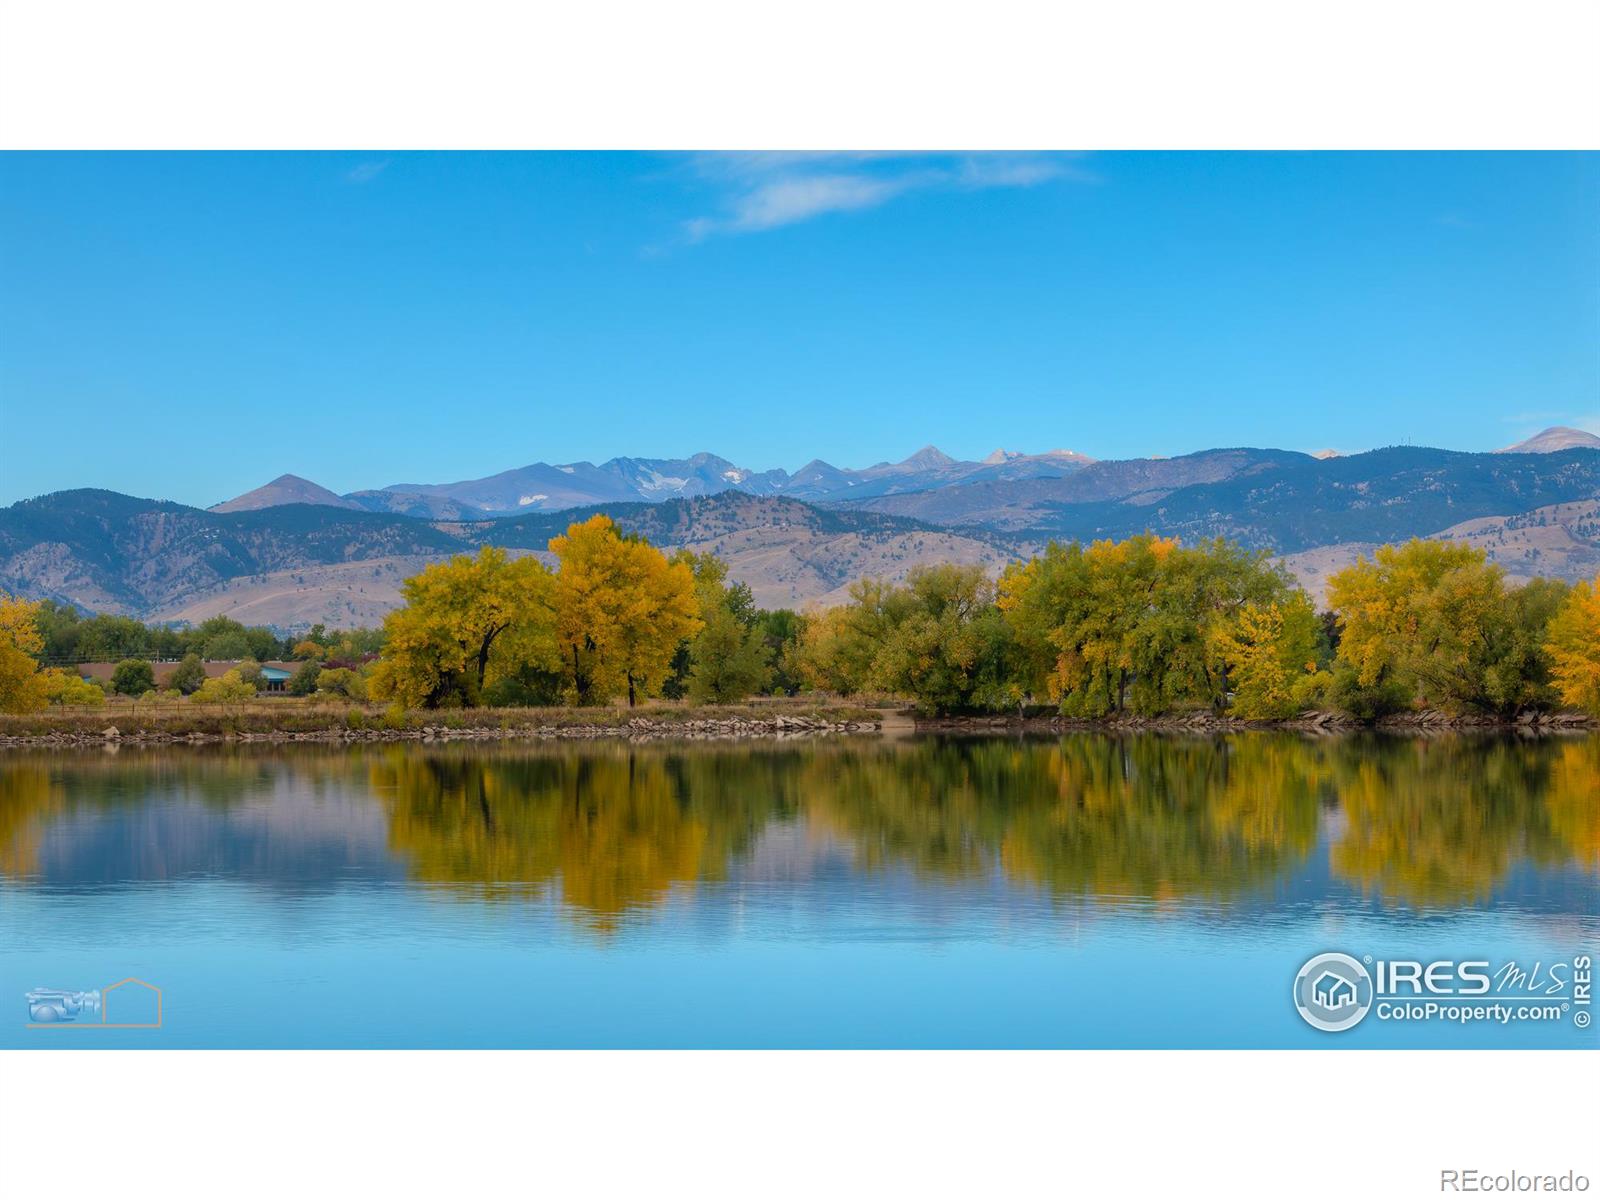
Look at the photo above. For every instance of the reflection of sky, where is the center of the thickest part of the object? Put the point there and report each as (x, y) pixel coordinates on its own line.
(285, 918)
(280, 836)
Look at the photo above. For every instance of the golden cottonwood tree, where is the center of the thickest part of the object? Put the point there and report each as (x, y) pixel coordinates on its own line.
(442, 646)
(1267, 649)
(1435, 622)
(621, 609)
(22, 689)
(1135, 623)
(1574, 647)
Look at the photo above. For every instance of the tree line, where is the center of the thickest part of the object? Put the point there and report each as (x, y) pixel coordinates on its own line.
(617, 618)
(1142, 627)
(42, 643)
(1148, 627)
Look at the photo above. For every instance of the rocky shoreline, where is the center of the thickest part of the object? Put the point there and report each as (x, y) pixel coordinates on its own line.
(635, 730)
(1426, 721)
(784, 726)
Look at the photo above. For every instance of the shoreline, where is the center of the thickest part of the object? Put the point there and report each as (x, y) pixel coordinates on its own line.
(262, 726)
(359, 726)
(1426, 721)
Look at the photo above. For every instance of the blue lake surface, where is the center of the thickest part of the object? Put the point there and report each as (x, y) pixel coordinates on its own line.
(1088, 891)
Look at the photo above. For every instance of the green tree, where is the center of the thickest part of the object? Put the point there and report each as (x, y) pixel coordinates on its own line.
(728, 659)
(188, 676)
(304, 681)
(946, 643)
(226, 647)
(783, 630)
(839, 645)
(132, 677)
(341, 682)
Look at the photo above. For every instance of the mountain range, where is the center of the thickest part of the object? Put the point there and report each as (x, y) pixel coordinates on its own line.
(292, 553)
(547, 487)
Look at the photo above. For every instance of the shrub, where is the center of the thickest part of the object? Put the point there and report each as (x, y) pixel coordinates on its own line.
(229, 688)
(343, 682)
(188, 676)
(68, 690)
(529, 689)
(132, 677)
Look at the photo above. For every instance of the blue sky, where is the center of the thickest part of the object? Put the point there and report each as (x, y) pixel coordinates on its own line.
(188, 326)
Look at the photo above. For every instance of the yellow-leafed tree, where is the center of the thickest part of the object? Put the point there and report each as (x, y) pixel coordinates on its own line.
(22, 688)
(622, 610)
(1574, 647)
(1267, 648)
(1419, 620)
(464, 619)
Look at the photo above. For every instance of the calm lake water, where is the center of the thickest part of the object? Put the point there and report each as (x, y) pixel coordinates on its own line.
(1086, 891)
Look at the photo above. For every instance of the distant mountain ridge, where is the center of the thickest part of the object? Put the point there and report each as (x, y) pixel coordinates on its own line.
(285, 489)
(1556, 438)
(292, 564)
(547, 487)
(105, 552)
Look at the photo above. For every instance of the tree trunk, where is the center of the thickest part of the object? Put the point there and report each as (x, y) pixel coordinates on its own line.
(630, 689)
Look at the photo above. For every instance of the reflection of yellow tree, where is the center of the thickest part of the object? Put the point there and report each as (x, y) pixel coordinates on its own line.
(29, 799)
(1443, 821)
(614, 830)
(616, 827)
(1573, 799)
(932, 806)
(1162, 818)
(625, 838)
(1143, 816)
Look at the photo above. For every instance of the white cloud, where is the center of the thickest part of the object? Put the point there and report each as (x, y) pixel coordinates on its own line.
(365, 172)
(771, 189)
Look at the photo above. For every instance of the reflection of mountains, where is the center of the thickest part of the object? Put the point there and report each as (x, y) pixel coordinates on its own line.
(151, 817)
(611, 829)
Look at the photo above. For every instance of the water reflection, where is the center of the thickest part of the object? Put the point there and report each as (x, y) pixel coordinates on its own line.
(612, 830)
